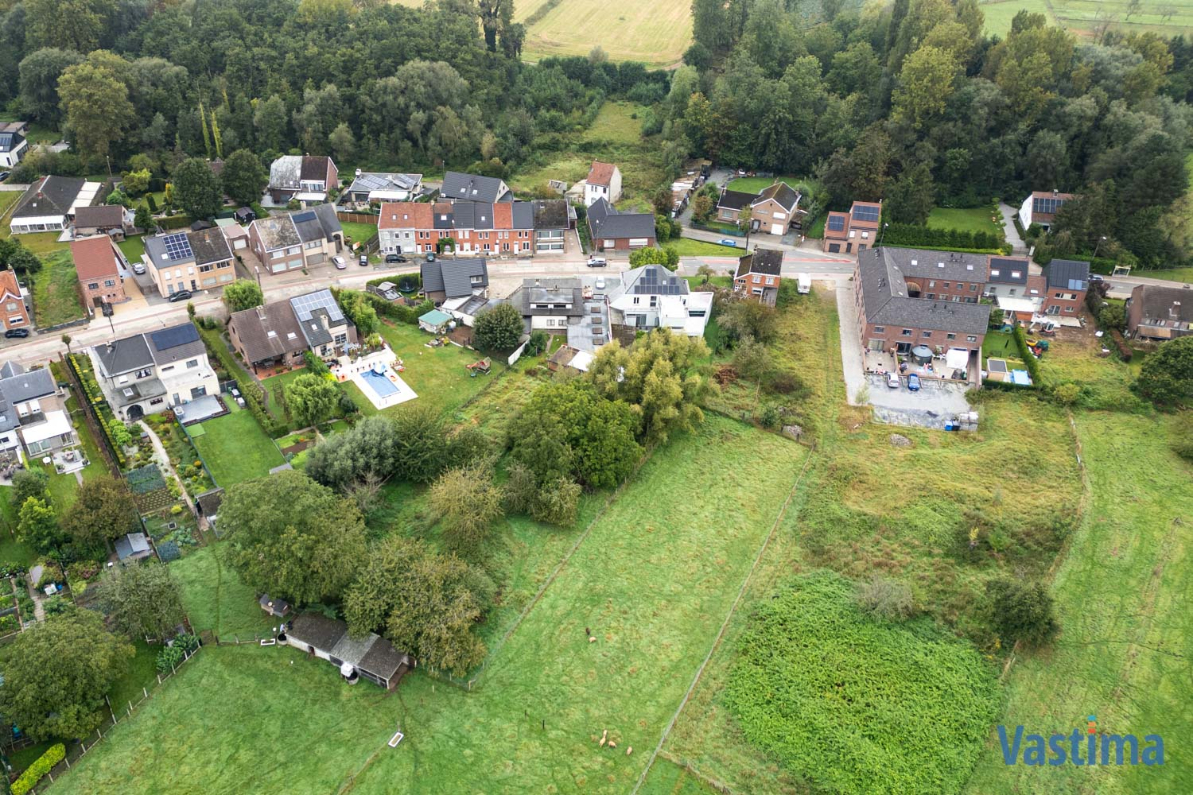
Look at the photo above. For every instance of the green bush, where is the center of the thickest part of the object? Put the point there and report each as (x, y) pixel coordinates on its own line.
(36, 771)
(944, 239)
(169, 658)
(1029, 358)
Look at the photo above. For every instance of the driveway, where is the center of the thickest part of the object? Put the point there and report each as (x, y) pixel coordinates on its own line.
(1008, 225)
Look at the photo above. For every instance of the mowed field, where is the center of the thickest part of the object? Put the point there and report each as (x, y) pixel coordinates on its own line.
(655, 33)
(657, 573)
(1085, 17)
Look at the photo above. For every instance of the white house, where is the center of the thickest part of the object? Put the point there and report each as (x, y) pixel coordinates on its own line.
(653, 297)
(32, 411)
(13, 147)
(148, 373)
(603, 182)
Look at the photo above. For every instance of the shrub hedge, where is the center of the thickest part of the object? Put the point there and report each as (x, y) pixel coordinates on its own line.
(36, 771)
(252, 392)
(1124, 350)
(945, 239)
(1029, 358)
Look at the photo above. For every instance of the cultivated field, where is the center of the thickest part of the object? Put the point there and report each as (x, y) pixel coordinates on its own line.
(1088, 17)
(1123, 654)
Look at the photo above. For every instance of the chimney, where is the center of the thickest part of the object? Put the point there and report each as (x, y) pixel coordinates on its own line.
(1055, 192)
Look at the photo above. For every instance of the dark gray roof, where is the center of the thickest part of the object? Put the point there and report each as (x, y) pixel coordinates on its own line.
(175, 343)
(319, 631)
(782, 193)
(254, 326)
(454, 277)
(1158, 303)
(210, 501)
(124, 355)
(549, 291)
(761, 260)
(884, 292)
(8, 418)
(49, 196)
(735, 199)
(99, 215)
(209, 246)
(472, 187)
(1067, 274)
(168, 250)
(9, 369)
(919, 263)
(370, 181)
(10, 141)
(1003, 270)
(383, 659)
(314, 169)
(548, 214)
(132, 544)
(28, 386)
(311, 310)
(328, 219)
(127, 394)
(306, 223)
(607, 223)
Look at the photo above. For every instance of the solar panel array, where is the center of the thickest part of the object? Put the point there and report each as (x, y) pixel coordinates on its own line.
(307, 216)
(650, 283)
(177, 246)
(836, 223)
(1048, 206)
(305, 305)
(865, 213)
(173, 337)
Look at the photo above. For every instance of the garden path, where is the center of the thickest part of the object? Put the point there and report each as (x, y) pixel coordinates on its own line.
(1008, 225)
(163, 458)
(39, 612)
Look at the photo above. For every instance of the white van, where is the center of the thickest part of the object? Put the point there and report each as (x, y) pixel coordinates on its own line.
(804, 282)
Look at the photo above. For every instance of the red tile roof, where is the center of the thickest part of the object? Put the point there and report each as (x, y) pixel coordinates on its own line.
(503, 215)
(600, 173)
(405, 215)
(8, 284)
(94, 258)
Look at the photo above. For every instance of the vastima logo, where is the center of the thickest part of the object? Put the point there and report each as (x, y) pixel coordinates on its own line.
(1098, 749)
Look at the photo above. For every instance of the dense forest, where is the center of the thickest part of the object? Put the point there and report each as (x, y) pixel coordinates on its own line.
(908, 102)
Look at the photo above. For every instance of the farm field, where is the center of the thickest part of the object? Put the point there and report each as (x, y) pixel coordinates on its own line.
(651, 620)
(235, 448)
(1086, 17)
(970, 219)
(1125, 635)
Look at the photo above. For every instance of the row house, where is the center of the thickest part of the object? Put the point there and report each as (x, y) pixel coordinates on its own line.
(33, 412)
(854, 231)
(1059, 291)
(460, 187)
(190, 261)
(518, 228)
(902, 300)
(149, 373)
(301, 239)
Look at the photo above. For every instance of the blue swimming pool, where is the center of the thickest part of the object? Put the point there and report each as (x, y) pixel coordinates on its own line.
(379, 384)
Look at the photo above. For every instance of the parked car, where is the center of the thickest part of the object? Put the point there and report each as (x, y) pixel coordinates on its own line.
(107, 309)
(181, 295)
(4, 175)
(340, 263)
(394, 258)
(913, 382)
(600, 283)
(430, 256)
(13, 333)
(1096, 277)
(138, 268)
(892, 380)
(597, 262)
(364, 260)
(727, 241)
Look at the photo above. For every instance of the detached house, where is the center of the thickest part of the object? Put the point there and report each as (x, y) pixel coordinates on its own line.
(1040, 208)
(327, 332)
(98, 263)
(371, 186)
(610, 230)
(772, 211)
(910, 297)
(759, 275)
(268, 336)
(49, 204)
(103, 219)
(444, 280)
(474, 188)
(189, 261)
(33, 412)
(654, 297)
(12, 148)
(1160, 313)
(856, 230)
(301, 239)
(148, 373)
(12, 298)
(603, 182)
(303, 178)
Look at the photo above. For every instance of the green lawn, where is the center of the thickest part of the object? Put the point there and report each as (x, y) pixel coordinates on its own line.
(55, 291)
(236, 449)
(999, 344)
(214, 597)
(437, 375)
(973, 219)
(41, 244)
(358, 233)
(133, 247)
(141, 673)
(618, 123)
(7, 199)
(1125, 628)
(687, 247)
(757, 184)
(1168, 274)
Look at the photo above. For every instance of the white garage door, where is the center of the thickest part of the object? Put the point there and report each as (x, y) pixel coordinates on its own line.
(776, 229)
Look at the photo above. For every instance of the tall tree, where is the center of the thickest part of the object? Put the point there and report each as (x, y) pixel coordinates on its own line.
(95, 103)
(912, 196)
(103, 510)
(244, 178)
(40, 72)
(142, 601)
(311, 399)
(57, 674)
(77, 25)
(196, 189)
(39, 525)
(926, 82)
(293, 538)
(468, 505)
(243, 294)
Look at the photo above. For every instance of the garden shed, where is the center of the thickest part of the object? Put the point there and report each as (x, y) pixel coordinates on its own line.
(370, 657)
(434, 321)
(133, 546)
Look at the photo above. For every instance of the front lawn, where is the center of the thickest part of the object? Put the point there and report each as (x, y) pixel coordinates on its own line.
(55, 291)
(970, 219)
(687, 247)
(235, 448)
(758, 184)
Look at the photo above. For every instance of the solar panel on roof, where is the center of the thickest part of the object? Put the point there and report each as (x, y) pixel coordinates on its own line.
(307, 216)
(1047, 206)
(865, 213)
(177, 246)
(173, 337)
(836, 223)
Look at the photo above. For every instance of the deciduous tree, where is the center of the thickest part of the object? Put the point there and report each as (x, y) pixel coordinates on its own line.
(242, 294)
(196, 189)
(95, 102)
(244, 178)
(142, 601)
(311, 399)
(39, 525)
(1167, 375)
(498, 329)
(468, 505)
(103, 510)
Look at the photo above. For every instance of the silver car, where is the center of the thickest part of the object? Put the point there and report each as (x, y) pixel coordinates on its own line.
(340, 264)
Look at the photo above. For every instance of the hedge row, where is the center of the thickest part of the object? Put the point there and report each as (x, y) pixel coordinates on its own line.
(395, 310)
(1124, 350)
(174, 221)
(912, 235)
(37, 771)
(1029, 358)
(252, 392)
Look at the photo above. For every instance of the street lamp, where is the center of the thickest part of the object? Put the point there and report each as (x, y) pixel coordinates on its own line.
(258, 268)
(878, 244)
(1101, 240)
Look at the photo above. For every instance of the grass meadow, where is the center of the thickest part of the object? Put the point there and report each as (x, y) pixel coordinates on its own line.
(235, 448)
(970, 219)
(55, 290)
(1086, 17)
(214, 597)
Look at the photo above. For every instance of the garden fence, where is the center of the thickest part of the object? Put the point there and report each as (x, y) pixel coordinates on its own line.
(358, 218)
(99, 429)
(117, 713)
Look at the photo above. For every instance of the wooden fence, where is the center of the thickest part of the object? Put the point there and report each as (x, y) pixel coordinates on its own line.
(358, 218)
